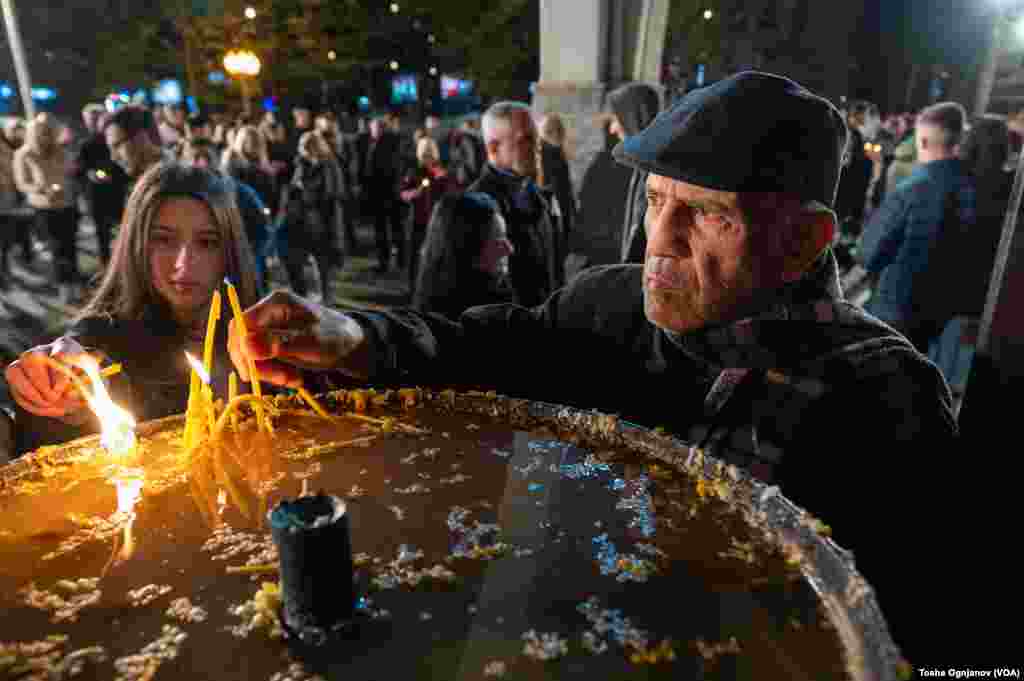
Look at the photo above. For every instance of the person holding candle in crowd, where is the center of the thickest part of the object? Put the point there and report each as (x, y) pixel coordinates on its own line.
(733, 335)
(464, 261)
(43, 173)
(180, 237)
(422, 188)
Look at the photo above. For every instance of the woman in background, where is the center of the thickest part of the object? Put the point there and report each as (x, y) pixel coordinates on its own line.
(422, 188)
(464, 260)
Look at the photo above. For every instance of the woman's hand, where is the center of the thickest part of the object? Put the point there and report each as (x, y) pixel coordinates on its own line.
(287, 333)
(42, 390)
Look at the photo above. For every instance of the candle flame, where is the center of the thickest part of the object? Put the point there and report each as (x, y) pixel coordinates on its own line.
(129, 489)
(197, 366)
(117, 425)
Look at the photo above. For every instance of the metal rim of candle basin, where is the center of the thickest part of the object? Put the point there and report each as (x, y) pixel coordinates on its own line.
(830, 570)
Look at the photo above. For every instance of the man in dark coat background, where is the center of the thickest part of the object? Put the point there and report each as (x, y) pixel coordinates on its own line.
(537, 268)
(380, 167)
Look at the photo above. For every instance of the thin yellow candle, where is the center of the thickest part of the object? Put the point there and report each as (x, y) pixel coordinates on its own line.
(254, 377)
(211, 332)
(232, 394)
(190, 411)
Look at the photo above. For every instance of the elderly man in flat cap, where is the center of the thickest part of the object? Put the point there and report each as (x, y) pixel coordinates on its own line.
(733, 334)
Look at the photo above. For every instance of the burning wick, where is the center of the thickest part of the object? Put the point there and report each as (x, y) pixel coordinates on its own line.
(197, 367)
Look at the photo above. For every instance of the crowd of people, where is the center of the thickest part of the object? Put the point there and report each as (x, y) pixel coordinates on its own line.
(721, 319)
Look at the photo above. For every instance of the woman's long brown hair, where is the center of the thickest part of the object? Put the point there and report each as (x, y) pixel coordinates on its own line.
(126, 290)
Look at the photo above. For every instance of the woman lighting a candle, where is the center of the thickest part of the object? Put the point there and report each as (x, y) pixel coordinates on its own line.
(180, 237)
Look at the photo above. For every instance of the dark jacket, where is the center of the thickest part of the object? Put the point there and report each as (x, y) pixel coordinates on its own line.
(635, 105)
(814, 360)
(153, 383)
(380, 165)
(555, 170)
(537, 267)
(852, 194)
(899, 239)
(475, 289)
(105, 198)
(257, 179)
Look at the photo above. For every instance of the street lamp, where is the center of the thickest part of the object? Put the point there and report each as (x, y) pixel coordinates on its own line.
(243, 64)
(332, 55)
(431, 39)
(708, 14)
(394, 66)
(394, 8)
(433, 70)
(250, 12)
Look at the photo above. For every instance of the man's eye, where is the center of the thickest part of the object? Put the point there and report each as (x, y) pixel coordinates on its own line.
(209, 243)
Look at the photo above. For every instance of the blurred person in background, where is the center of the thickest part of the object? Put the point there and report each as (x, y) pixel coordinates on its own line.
(464, 260)
(43, 173)
(422, 188)
(864, 123)
(554, 168)
(310, 206)
(14, 228)
(380, 165)
(902, 242)
(248, 162)
(105, 184)
(537, 267)
(201, 153)
(172, 127)
(345, 156)
(632, 107)
(467, 155)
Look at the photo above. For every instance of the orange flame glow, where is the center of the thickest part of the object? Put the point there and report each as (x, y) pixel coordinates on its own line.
(117, 425)
(129, 489)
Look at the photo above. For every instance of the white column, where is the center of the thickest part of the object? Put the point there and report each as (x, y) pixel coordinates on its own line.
(18, 55)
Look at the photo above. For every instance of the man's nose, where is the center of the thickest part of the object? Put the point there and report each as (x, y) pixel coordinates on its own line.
(667, 229)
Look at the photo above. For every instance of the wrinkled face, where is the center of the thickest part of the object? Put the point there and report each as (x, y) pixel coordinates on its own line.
(701, 267)
(516, 147)
(129, 152)
(496, 249)
(186, 256)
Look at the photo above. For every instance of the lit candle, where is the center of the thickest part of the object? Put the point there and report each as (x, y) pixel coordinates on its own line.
(211, 332)
(254, 377)
(117, 426)
(204, 403)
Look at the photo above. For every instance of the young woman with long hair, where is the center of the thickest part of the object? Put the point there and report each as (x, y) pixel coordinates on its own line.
(464, 261)
(247, 161)
(180, 237)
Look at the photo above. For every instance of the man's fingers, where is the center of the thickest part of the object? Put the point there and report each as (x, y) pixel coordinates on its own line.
(280, 310)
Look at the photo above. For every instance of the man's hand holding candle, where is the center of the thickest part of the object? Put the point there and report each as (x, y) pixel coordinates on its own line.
(41, 389)
(287, 333)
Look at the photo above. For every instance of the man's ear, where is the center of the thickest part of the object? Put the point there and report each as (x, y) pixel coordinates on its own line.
(492, 149)
(810, 233)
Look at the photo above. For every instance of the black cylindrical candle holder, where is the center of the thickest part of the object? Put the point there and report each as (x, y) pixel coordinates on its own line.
(315, 550)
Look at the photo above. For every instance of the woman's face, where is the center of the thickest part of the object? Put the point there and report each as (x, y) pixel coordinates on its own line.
(496, 249)
(186, 256)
